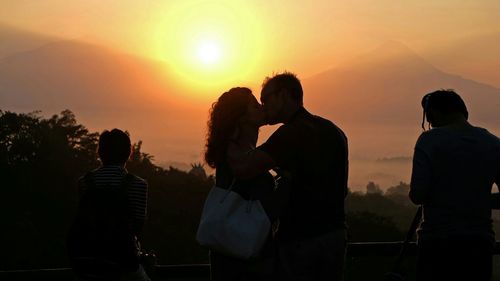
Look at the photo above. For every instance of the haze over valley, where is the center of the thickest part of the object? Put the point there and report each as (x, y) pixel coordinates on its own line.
(374, 97)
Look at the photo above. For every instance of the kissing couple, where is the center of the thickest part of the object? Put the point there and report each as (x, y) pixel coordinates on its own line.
(307, 240)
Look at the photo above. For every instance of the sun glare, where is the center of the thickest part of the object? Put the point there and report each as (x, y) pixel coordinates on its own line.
(209, 53)
(210, 44)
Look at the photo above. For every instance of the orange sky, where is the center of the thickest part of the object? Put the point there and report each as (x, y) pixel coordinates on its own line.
(257, 37)
(206, 47)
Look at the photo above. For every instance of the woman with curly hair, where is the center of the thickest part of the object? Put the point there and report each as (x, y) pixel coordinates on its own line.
(234, 120)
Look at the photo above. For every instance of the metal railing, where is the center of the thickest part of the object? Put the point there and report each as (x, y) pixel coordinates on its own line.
(202, 271)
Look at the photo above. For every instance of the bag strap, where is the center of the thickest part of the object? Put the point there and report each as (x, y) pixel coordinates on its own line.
(231, 186)
(249, 202)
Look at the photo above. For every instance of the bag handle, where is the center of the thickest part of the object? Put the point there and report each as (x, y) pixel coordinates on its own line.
(249, 202)
(231, 186)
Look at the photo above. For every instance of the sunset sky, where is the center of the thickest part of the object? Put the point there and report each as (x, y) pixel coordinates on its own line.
(364, 64)
(219, 43)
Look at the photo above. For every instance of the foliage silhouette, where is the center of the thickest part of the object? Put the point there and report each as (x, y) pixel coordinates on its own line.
(41, 160)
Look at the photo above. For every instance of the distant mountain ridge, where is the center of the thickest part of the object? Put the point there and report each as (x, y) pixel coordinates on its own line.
(389, 82)
(105, 89)
(375, 98)
(14, 40)
(65, 72)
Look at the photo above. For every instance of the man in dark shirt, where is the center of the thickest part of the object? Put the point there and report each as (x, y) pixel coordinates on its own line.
(314, 152)
(455, 165)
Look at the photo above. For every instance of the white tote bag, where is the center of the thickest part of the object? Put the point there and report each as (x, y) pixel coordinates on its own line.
(231, 225)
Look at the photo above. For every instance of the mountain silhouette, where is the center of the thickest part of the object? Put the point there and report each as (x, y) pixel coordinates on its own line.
(387, 84)
(375, 98)
(106, 89)
(71, 72)
(14, 40)
(474, 56)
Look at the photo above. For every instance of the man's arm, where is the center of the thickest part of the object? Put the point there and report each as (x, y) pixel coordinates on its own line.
(249, 164)
(274, 152)
(421, 175)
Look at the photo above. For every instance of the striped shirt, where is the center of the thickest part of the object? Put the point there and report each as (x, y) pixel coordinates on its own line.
(113, 176)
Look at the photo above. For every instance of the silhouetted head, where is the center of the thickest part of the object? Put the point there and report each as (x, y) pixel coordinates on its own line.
(234, 108)
(114, 147)
(281, 95)
(443, 107)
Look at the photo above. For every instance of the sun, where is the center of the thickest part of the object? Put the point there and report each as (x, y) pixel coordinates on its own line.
(210, 44)
(209, 53)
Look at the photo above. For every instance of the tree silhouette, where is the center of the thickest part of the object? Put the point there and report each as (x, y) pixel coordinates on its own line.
(373, 188)
(198, 170)
(41, 160)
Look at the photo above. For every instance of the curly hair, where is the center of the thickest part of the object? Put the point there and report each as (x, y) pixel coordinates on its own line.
(224, 117)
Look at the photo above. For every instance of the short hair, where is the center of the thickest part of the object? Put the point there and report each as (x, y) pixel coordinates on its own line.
(286, 80)
(446, 101)
(114, 147)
